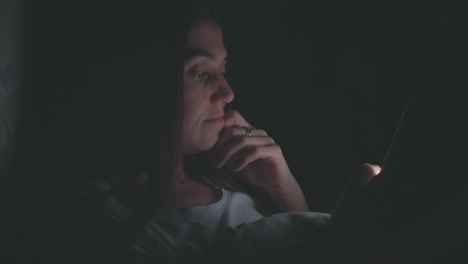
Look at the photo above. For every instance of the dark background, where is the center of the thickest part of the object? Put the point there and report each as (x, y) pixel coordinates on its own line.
(327, 81)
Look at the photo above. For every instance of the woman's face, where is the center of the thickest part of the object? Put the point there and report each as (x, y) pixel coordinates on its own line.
(206, 90)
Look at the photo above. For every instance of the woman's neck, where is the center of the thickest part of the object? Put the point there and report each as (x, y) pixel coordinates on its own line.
(186, 191)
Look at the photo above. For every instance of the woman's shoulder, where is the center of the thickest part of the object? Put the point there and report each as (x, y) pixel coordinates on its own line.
(100, 223)
(99, 203)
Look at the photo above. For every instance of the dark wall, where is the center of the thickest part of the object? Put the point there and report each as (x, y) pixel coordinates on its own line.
(329, 81)
(9, 67)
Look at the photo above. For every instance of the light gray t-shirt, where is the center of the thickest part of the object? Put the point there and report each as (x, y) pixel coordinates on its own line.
(230, 230)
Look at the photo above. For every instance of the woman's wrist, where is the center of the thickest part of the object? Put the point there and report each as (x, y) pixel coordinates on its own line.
(288, 196)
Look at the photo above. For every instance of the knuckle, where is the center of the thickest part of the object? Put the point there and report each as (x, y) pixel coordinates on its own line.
(262, 132)
(277, 149)
(232, 113)
(255, 150)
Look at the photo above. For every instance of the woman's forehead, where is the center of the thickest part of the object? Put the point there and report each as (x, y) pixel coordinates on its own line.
(205, 38)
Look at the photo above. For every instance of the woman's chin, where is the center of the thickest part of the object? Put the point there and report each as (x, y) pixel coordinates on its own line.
(204, 147)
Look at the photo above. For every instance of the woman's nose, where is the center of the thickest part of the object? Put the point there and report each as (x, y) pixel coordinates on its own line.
(222, 90)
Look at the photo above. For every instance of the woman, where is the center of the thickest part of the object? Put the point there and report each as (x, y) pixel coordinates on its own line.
(209, 182)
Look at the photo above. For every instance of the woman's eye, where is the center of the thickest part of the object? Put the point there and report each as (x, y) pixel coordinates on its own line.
(200, 75)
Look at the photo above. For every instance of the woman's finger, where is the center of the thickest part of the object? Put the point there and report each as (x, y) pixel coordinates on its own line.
(364, 174)
(233, 132)
(234, 119)
(251, 154)
(237, 145)
(368, 171)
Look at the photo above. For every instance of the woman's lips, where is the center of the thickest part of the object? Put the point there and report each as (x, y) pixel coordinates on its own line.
(216, 118)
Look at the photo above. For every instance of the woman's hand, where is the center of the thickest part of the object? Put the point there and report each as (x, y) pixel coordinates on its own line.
(346, 204)
(355, 227)
(259, 159)
(364, 174)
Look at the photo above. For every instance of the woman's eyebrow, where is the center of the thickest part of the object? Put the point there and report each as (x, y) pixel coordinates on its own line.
(191, 53)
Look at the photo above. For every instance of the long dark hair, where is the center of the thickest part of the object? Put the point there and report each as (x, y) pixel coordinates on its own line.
(155, 149)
